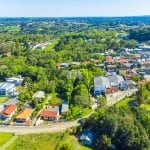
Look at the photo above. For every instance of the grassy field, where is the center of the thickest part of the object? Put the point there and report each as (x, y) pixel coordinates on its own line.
(45, 142)
(3, 99)
(76, 112)
(125, 102)
(4, 137)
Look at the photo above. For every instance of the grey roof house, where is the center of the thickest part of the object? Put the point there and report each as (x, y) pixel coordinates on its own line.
(39, 95)
(100, 85)
(64, 107)
(7, 89)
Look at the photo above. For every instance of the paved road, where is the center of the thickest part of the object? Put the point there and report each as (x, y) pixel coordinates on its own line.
(54, 127)
(3, 147)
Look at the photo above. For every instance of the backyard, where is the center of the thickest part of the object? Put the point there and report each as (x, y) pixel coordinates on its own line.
(125, 102)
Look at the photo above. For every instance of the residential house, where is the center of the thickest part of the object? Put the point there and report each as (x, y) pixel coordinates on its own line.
(100, 85)
(51, 113)
(15, 80)
(62, 65)
(111, 68)
(87, 138)
(39, 95)
(8, 112)
(146, 77)
(109, 84)
(24, 116)
(64, 107)
(123, 86)
(7, 89)
(115, 80)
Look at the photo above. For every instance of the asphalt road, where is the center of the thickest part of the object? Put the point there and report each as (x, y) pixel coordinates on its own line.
(54, 127)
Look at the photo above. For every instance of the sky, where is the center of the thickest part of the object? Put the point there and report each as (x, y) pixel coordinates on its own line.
(73, 8)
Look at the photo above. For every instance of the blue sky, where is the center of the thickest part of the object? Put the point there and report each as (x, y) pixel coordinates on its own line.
(61, 8)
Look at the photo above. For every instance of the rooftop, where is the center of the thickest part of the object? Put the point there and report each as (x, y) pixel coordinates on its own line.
(39, 94)
(101, 81)
(48, 113)
(9, 109)
(25, 113)
(6, 85)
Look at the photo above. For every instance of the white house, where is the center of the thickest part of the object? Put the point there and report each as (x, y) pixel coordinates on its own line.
(7, 89)
(39, 95)
(15, 80)
(115, 80)
(100, 85)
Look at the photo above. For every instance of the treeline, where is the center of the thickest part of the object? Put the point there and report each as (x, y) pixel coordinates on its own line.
(141, 35)
(119, 128)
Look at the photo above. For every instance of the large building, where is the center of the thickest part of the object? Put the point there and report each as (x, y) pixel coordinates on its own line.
(100, 85)
(7, 89)
(109, 84)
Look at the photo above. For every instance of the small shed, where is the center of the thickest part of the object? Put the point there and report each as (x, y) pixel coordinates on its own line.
(86, 138)
(39, 95)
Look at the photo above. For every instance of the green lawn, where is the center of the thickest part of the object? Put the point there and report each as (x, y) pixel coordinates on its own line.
(125, 101)
(47, 141)
(76, 112)
(3, 99)
(4, 137)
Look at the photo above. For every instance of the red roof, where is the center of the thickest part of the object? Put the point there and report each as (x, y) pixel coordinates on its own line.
(9, 109)
(47, 113)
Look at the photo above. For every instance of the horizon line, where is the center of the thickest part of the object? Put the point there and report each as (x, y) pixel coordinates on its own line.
(75, 16)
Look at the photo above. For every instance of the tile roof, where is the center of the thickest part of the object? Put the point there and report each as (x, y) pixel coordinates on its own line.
(47, 113)
(25, 113)
(9, 109)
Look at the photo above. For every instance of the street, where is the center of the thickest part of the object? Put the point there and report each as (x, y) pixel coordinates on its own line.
(55, 127)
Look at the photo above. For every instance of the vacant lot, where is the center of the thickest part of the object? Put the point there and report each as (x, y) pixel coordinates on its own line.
(4, 137)
(125, 101)
(45, 142)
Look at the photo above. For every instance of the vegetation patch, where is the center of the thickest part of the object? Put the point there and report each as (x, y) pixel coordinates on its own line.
(3, 99)
(76, 112)
(55, 100)
(4, 137)
(52, 141)
(125, 102)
